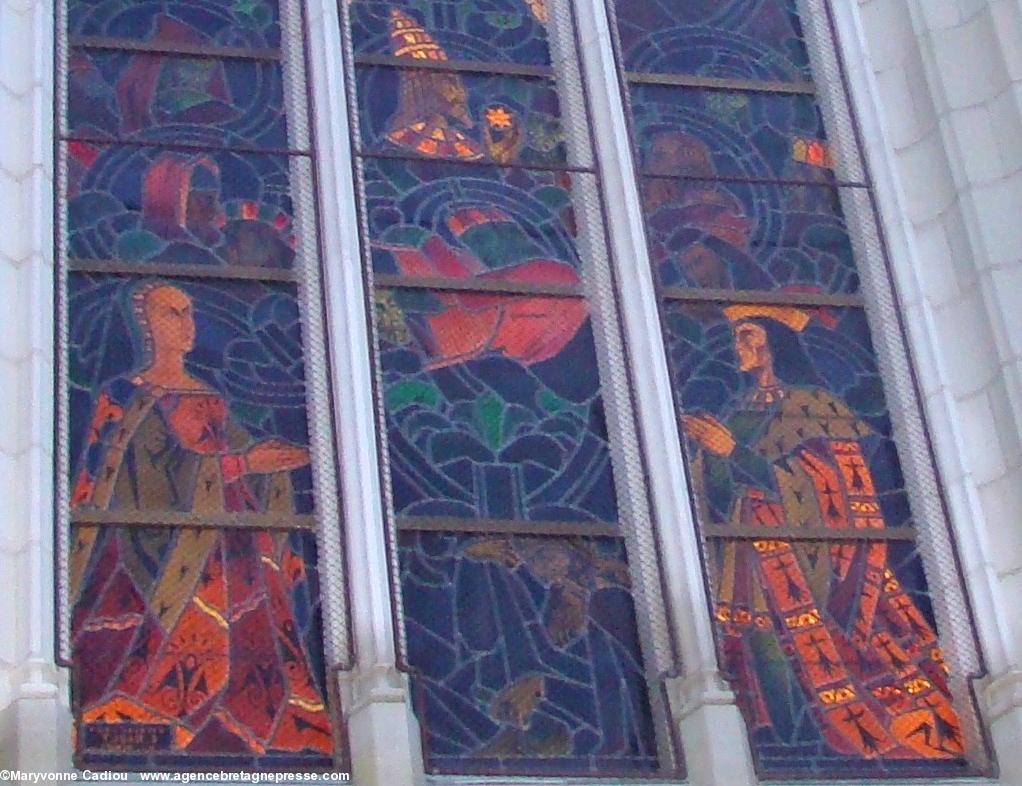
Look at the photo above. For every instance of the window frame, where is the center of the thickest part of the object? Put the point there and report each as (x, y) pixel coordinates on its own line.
(356, 423)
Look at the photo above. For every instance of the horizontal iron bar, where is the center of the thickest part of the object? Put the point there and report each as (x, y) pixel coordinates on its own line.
(507, 526)
(130, 267)
(481, 162)
(390, 281)
(720, 83)
(768, 181)
(146, 518)
(788, 532)
(162, 143)
(697, 295)
(462, 66)
(175, 49)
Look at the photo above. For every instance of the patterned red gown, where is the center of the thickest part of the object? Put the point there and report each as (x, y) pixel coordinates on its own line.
(188, 640)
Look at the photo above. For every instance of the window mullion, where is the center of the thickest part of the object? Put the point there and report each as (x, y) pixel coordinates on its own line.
(375, 697)
(700, 686)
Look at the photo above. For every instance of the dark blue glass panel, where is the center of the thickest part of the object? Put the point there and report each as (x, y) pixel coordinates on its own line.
(742, 39)
(239, 388)
(470, 117)
(443, 219)
(224, 670)
(704, 133)
(728, 235)
(526, 656)
(249, 24)
(144, 204)
(483, 30)
(493, 407)
(152, 98)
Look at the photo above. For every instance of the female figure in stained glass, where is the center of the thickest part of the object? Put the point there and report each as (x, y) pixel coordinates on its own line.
(791, 454)
(186, 639)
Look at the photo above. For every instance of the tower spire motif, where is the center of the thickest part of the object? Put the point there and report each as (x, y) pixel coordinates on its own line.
(431, 104)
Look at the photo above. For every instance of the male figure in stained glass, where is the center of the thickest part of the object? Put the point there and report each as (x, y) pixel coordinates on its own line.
(831, 612)
(188, 634)
(697, 226)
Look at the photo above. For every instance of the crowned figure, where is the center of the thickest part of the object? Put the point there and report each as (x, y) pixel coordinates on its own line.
(824, 620)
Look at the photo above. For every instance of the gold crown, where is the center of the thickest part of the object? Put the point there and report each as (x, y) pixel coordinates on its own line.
(795, 318)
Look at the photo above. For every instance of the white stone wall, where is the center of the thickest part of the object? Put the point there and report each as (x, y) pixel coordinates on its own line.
(938, 89)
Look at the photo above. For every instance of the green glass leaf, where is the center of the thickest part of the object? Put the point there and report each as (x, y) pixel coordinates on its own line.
(138, 244)
(552, 196)
(726, 106)
(409, 392)
(251, 415)
(489, 416)
(551, 402)
(503, 21)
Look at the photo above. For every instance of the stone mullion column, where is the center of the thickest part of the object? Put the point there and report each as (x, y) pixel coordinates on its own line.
(383, 734)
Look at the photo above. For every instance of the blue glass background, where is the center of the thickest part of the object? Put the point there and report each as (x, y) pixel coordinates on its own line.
(492, 436)
(238, 23)
(108, 217)
(477, 627)
(215, 102)
(743, 39)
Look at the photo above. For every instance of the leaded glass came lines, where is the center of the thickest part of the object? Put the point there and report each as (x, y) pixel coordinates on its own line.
(521, 633)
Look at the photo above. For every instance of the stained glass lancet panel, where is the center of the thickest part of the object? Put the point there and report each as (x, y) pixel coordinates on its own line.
(477, 194)
(194, 487)
(754, 39)
(825, 620)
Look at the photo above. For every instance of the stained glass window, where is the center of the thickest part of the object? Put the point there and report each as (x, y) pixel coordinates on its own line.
(194, 492)
(481, 230)
(825, 620)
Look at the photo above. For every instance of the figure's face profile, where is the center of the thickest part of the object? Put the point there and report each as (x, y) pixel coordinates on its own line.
(168, 311)
(704, 266)
(751, 346)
